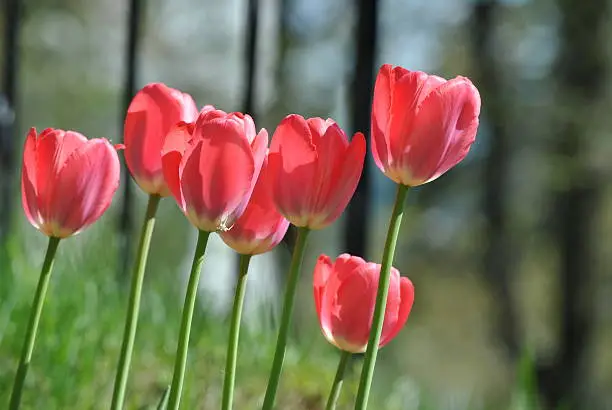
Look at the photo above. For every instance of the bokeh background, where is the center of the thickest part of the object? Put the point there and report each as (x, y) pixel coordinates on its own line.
(509, 252)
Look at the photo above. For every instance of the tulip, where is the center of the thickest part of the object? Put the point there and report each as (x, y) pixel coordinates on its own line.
(154, 111)
(67, 181)
(315, 168)
(344, 296)
(261, 227)
(211, 167)
(314, 172)
(422, 125)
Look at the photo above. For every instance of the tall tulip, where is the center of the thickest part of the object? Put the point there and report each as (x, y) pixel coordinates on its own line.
(314, 173)
(344, 295)
(260, 228)
(155, 110)
(211, 169)
(422, 126)
(67, 183)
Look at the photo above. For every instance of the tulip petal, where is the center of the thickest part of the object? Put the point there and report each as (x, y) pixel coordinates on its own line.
(84, 187)
(293, 160)
(29, 185)
(217, 174)
(406, 300)
(446, 124)
(322, 271)
(342, 183)
(175, 145)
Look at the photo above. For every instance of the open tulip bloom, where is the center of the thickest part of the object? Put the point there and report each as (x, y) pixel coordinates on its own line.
(344, 296)
(67, 183)
(211, 168)
(155, 110)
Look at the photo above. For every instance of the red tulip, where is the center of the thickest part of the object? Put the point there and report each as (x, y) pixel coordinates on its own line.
(345, 294)
(154, 110)
(261, 227)
(67, 181)
(315, 170)
(422, 125)
(211, 167)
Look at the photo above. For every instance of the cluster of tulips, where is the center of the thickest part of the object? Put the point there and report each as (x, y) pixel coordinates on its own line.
(225, 179)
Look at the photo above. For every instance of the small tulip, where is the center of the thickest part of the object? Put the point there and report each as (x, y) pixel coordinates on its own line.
(261, 227)
(422, 125)
(67, 181)
(211, 167)
(315, 170)
(345, 294)
(153, 112)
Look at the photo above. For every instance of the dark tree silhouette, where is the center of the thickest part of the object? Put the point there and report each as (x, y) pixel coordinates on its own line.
(8, 123)
(581, 74)
(498, 249)
(355, 233)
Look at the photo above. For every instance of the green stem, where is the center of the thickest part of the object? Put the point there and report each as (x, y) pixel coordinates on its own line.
(338, 380)
(281, 343)
(183, 342)
(232, 346)
(163, 401)
(367, 373)
(131, 321)
(35, 313)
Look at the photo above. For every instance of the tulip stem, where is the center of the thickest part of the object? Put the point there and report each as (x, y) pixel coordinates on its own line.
(367, 373)
(281, 343)
(232, 346)
(35, 313)
(338, 380)
(183, 342)
(131, 320)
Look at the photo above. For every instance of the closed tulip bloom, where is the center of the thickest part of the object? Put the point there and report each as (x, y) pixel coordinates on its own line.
(345, 294)
(211, 167)
(153, 112)
(315, 170)
(261, 227)
(422, 125)
(67, 181)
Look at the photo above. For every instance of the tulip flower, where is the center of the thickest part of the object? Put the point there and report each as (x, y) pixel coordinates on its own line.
(422, 125)
(154, 111)
(261, 227)
(344, 295)
(315, 168)
(211, 168)
(67, 183)
(314, 171)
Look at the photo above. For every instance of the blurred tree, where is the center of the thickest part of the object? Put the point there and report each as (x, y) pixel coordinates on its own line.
(355, 233)
(498, 255)
(8, 122)
(581, 74)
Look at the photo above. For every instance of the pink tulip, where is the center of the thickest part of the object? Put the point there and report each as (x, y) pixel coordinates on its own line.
(153, 112)
(315, 170)
(261, 227)
(422, 125)
(345, 294)
(211, 167)
(67, 181)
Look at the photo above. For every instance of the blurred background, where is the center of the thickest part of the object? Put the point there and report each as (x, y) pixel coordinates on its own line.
(508, 252)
